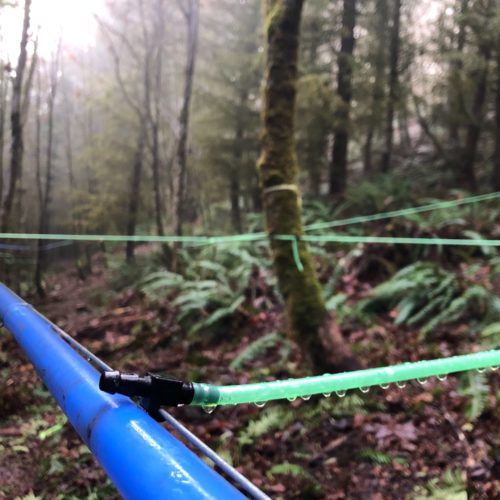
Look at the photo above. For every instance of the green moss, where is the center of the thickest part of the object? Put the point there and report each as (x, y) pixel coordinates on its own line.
(278, 165)
(272, 9)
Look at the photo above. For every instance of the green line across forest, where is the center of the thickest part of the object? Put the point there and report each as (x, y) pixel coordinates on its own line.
(294, 239)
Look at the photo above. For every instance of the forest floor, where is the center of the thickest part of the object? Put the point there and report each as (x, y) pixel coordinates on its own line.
(409, 442)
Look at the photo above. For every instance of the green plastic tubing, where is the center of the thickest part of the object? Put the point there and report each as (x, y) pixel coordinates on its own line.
(210, 396)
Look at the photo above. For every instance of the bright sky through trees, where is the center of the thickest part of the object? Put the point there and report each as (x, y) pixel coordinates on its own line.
(73, 20)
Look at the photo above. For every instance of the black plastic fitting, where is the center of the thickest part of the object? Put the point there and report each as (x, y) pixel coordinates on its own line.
(154, 391)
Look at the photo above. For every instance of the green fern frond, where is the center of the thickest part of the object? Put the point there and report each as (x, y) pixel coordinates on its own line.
(451, 486)
(474, 386)
(375, 456)
(256, 349)
(287, 469)
(272, 419)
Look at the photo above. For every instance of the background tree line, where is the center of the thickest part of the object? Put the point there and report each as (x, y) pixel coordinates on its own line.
(154, 126)
(167, 101)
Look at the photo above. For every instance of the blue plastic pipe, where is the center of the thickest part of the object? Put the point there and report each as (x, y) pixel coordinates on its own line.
(141, 458)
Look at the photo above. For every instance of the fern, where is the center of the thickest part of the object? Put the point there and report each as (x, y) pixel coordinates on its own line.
(452, 486)
(272, 419)
(216, 316)
(424, 294)
(155, 285)
(352, 404)
(287, 469)
(256, 349)
(375, 456)
(475, 387)
(491, 335)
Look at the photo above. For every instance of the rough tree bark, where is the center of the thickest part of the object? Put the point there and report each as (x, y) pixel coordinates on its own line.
(16, 123)
(393, 85)
(191, 14)
(338, 167)
(309, 320)
(378, 85)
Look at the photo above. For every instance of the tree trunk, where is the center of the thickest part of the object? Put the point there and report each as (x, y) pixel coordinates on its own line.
(191, 13)
(338, 168)
(135, 191)
(393, 85)
(455, 100)
(3, 114)
(468, 174)
(377, 98)
(46, 190)
(234, 172)
(17, 147)
(309, 320)
(156, 118)
(234, 195)
(496, 160)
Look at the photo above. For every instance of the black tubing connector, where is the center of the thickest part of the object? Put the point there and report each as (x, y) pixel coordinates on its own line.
(154, 391)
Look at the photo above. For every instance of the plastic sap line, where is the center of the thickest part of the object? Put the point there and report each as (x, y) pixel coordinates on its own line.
(211, 395)
(141, 458)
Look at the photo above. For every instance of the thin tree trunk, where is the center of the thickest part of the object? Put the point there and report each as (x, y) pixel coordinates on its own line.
(17, 147)
(378, 85)
(155, 165)
(496, 161)
(191, 13)
(473, 131)
(338, 168)
(46, 190)
(135, 191)
(455, 100)
(3, 114)
(68, 126)
(234, 172)
(234, 195)
(156, 118)
(393, 86)
(309, 320)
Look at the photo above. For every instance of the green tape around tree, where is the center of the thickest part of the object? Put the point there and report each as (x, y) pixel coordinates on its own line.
(403, 212)
(210, 395)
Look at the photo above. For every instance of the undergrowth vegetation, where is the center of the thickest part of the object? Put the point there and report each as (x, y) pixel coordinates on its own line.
(433, 291)
(421, 287)
(212, 287)
(427, 295)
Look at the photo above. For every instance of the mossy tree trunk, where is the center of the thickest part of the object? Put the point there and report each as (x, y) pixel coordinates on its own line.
(309, 320)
